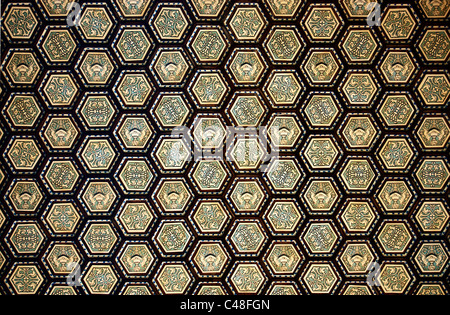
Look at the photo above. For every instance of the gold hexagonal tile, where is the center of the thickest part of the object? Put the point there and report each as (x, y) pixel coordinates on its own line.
(435, 45)
(433, 174)
(358, 216)
(173, 237)
(359, 132)
(136, 217)
(432, 216)
(284, 175)
(97, 111)
(247, 238)
(134, 89)
(246, 66)
(359, 45)
(99, 196)
(134, 132)
(20, 22)
(136, 258)
(98, 154)
(59, 45)
(60, 89)
(208, 44)
(23, 111)
(247, 154)
(26, 238)
(100, 279)
(136, 175)
(24, 154)
(170, 22)
(396, 154)
(397, 67)
(246, 22)
(282, 289)
(171, 110)
(62, 290)
(434, 89)
(431, 289)
(209, 175)
(322, 67)
(394, 278)
(62, 218)
(247, 196)
(320, 278)
(395, 195)
(354, 289)
(360, 89)
(173, 195)
(22, 68)
(95, 23)
(283, 88)
(322, 22)
(209, 89)
(247, 109)
(55, 9)
(321, 111)
(283, 259)
(173, 278)
(394, 238)
(284, 131)
(208, 9)
(136, 290)
(100, 238)
(209, 133)
(435, 9)
(96, 68)
(397, 110)
(358, 175)
(61, 133)
(432, 258)
(173, 154)
(170, 67)
(25, 195)
(61, 176)
(283, 216)
(133, 9)
(283, 44)
(356, 258)
(247, 278)
(210, 217)
(60, 256)
(320, 238)
(320, 195)
(356, 9)
(214, 289)
(283, 9)
(26, 279)
(398, 23)
(321, 153)
(210, 258)
(133, 44)
(434, 133)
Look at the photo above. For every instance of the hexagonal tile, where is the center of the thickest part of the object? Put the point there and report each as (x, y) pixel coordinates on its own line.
(284, 175)
(55, 9)
(59, 45)
(98, 196)
(173, 278)
(396, 154)
(398, 23)
(134, 131)
(22, 68)
(95, 23)
(133, 44)
(432, 216)
(210, 258)
(394, 278)
(97, 111)
(25, 195)
(358, 216)
(136, 290)
(247, 238)
(61, 176)
(247, 196)
(98, 154)
(321, 111)
(360, 88)
(431, 289)
(25, 279)
(208, 89)
(62, 290)
(136, 175)
(321, 153)
(247, 154)
(20, 22)
(99, 238)
(320, 238)
(283, 289)
(96, 67)
(398, 67)
(133, 89)
(356, 9)
(320, 278)
(23, 111)
(397, 110)
(283, 88)
(283, 9)
(170, 22)
(247, 278)
(321, 195)
(246, 67)
(170, 67)
(208, 44)
(62, 218)
(284, 131)
(356, 258)
(100, 279)
(433, 174)
(283, 258)
(358, 175)
(60, 89)
(173, 195)
(322, 22)
(246, 22)
(359, 132)
(24, 154)
(59, 256)
(432, 258)
(283, 44)
(321, 67)
(435, 45)
(283, 217)
(209, 176)
(360, 45)
(172, 154)
(135, 216)
(209, 132)
(26, 238)
(434, 133)
(171, 110)
(394, 238)
(395, 195)
(435, 9)
(247, 109)
(173, 237)
(209, 288)
(136, 258)
(133, 9)
(60, 133)
(210, 217)
(354, 289)
(434, 89)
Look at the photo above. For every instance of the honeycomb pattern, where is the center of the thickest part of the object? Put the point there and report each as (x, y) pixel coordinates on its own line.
(276, 147)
